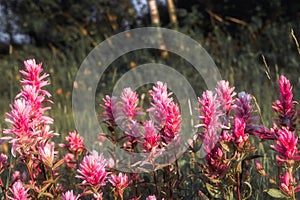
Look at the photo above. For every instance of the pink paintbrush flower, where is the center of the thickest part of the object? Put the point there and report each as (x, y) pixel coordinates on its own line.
(164, 113)
(209, 120)
(129, 104)
(47, 153)
(18, 191)
(151, 197)
(287, 183)
(120, 183)
(225, 96)
(69, 195)
(286, 146)
(151, 137)
(284, 106)
(110, 110)
(92, 170)
(3, 162)
(29, 124)
(75, 142)
(239, 131)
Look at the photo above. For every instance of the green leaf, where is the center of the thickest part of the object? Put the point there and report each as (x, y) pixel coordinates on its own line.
(213, 191)
(275, 193)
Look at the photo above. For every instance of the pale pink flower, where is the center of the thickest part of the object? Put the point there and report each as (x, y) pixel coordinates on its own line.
(209, 119)
(151, 197)
(110, 110)
(160, 101)
(120, 183)
(70, 160)
(164, 112)
(47, 153)
(225, 96)
(92, 170)
(69, 195)
(16, 175)
(18, 191)
(29, 124)
(284, 106)
(286, 146)
(3, 162)
(129, 105)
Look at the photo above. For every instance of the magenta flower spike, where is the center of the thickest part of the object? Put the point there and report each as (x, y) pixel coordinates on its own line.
(151, 137)
(29, 124)
(286, 146)
(239, 131)
(69, 195)
(75, 142)
(18, 191)
(284, 106)
(92, 170)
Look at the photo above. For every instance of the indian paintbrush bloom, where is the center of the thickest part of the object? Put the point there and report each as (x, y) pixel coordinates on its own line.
(129, 105)
(29, 124)
(18, 191)
(92, 170)
(286, 146)
(3, 162)
(209, 119)
(239, 131)
(164, 113)
(47, 153)
(69, 195)
(287, 183)
(75, 142)
(119, 182)
(225, 96)
(151, 138)
(284, 106)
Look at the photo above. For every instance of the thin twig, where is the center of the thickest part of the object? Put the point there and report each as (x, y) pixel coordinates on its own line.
(296, 41)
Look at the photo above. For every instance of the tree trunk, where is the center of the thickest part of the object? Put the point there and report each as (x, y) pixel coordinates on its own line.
(172, 13)
(154, 12)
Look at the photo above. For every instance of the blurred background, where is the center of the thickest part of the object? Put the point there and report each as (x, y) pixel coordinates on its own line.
(61, 33)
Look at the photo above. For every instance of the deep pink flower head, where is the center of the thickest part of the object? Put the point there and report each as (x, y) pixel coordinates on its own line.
(239, 131)
(29, 124)
(120, 183)
(69, 195)
(75, 142)
(209, 119)
(151, 137)
(164, 112)
(284, 106)
(92, 170)
(286, 146)
(225, 96)
(286, 183)
(18, 191)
